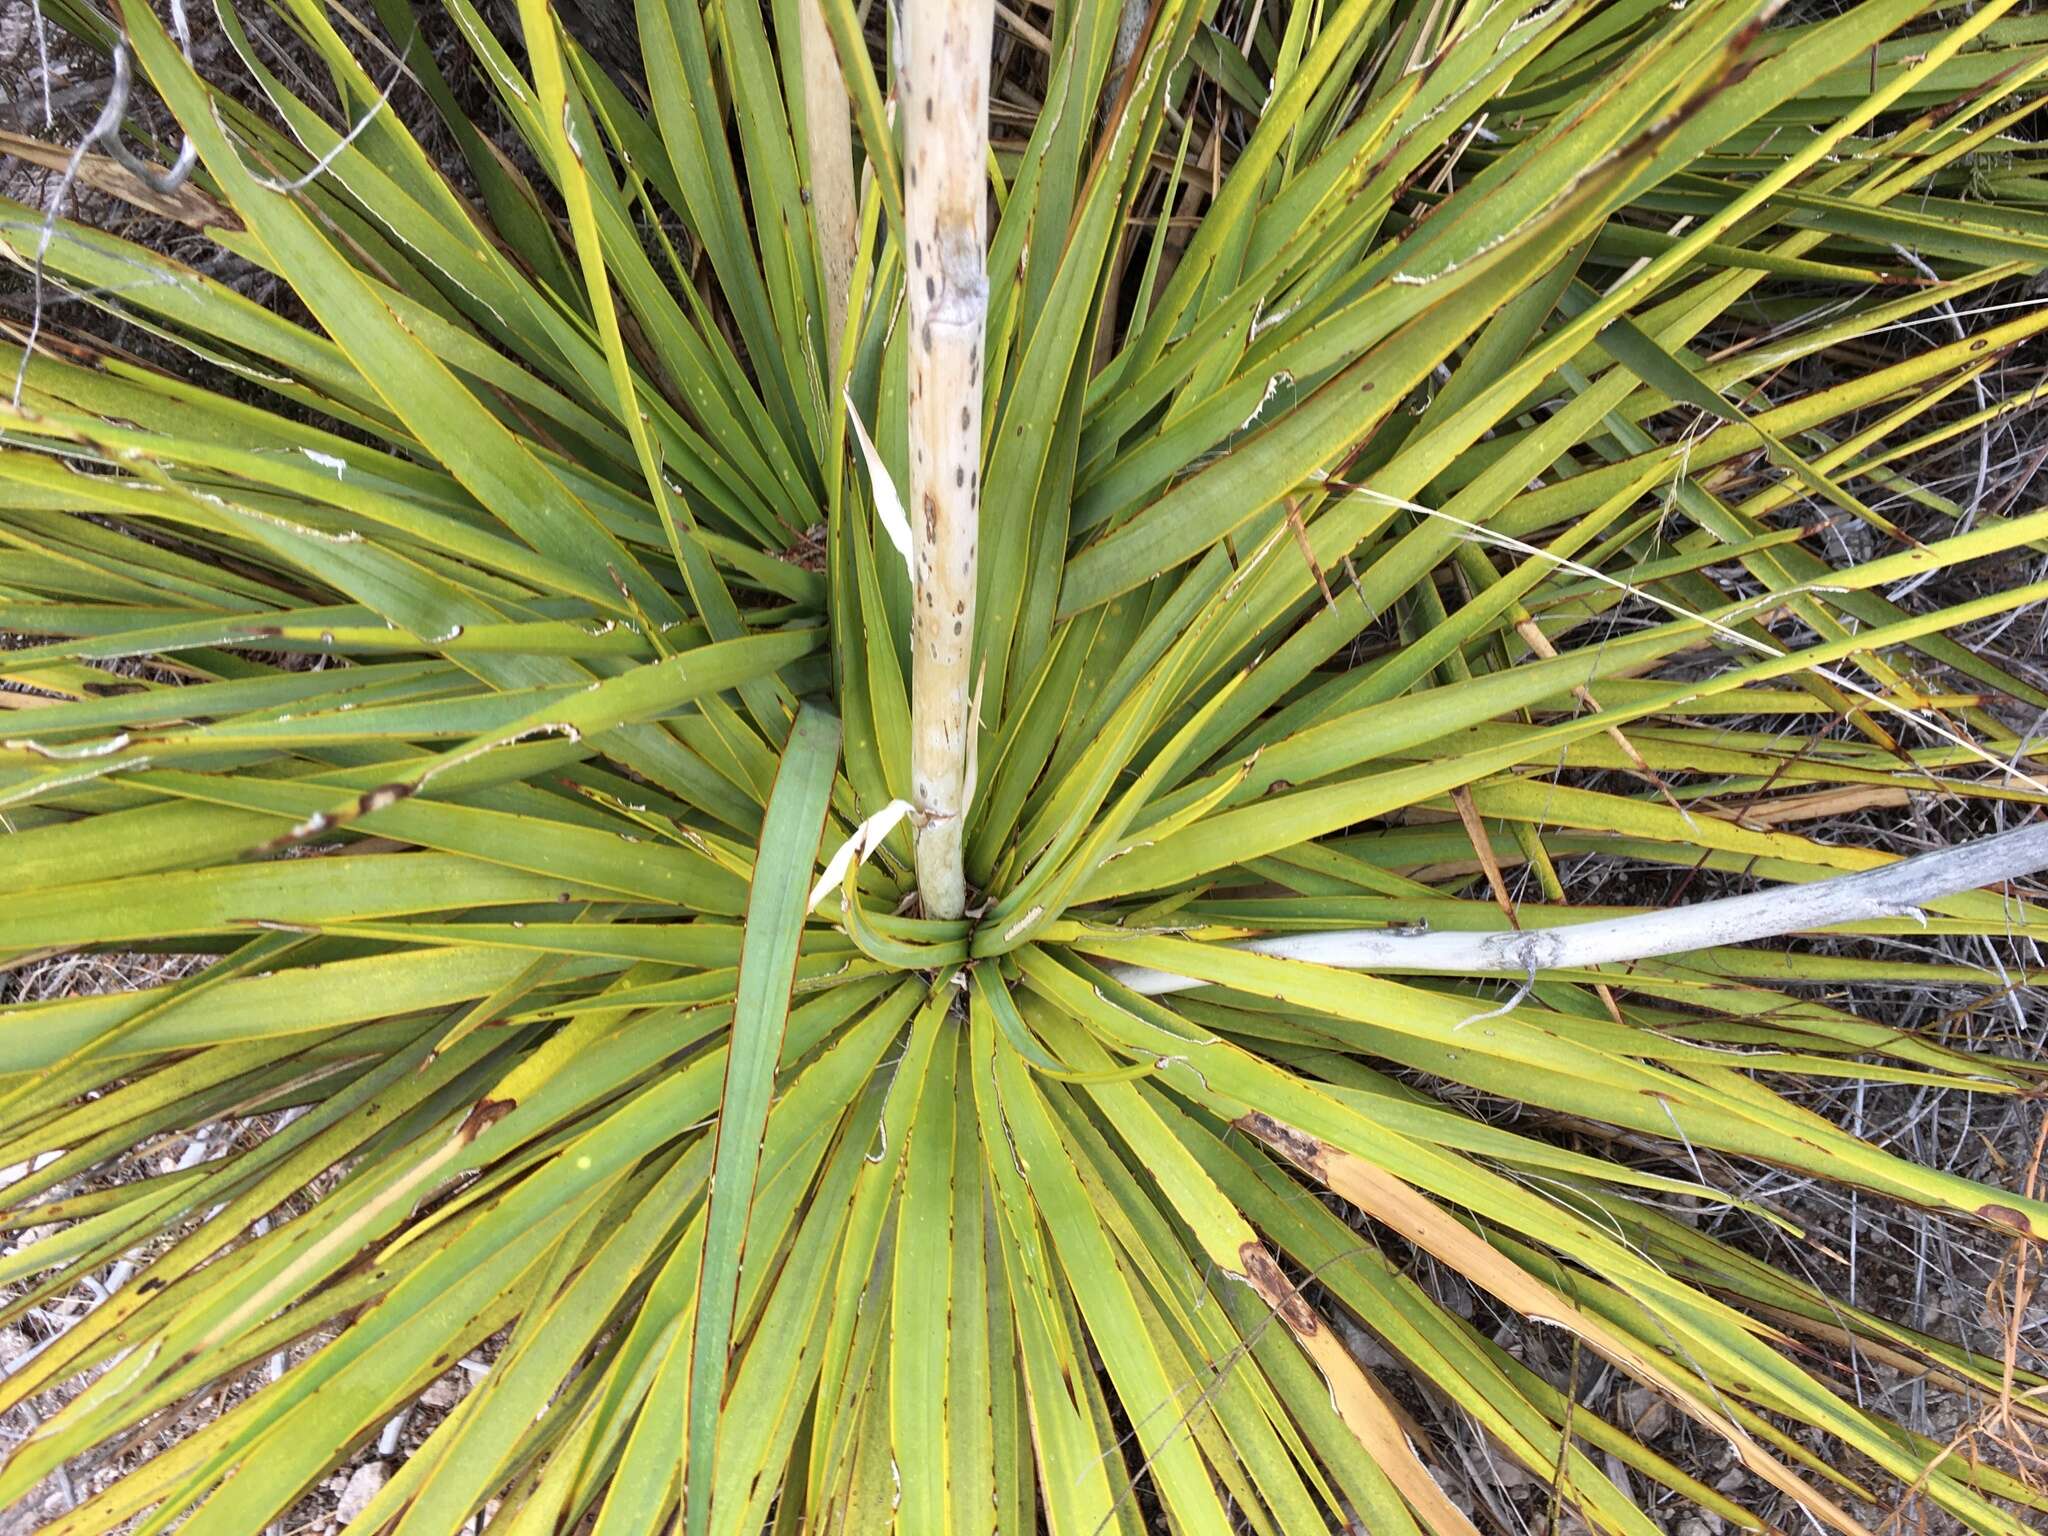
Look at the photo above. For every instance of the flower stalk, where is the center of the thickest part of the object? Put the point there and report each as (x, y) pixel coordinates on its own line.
(1890, 890)
(944, 95)
(829, 137)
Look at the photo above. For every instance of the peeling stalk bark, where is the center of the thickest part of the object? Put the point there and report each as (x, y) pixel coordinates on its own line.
(828, 131)
(944, 91)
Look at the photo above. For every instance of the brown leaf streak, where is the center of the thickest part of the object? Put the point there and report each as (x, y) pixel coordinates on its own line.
(2006, 1216)
(1298, 1147)
(488, 1112)
(1271, 1282)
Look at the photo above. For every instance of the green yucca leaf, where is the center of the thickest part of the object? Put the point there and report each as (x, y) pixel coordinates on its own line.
(767, 969)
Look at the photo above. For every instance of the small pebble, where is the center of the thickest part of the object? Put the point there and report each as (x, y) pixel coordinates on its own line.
(362, 1487)
(445, 1392)
(1644, 1413)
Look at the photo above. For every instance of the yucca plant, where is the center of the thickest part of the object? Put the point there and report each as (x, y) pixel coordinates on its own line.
(1397, 452)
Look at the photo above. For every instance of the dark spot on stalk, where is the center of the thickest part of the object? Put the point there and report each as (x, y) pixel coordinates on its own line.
(378, 799)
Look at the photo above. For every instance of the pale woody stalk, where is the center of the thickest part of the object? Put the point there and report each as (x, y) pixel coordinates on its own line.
(944, 95)
(829, 134)
(1891, 890)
